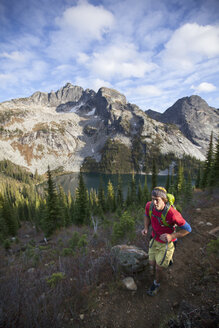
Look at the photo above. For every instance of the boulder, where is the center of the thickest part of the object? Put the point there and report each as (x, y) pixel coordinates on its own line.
(129, 283)
(129, 258)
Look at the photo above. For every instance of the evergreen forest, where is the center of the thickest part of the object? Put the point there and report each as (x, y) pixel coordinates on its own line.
(52, 209)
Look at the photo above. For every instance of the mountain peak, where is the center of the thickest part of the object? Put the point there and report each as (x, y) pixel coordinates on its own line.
(112, 94)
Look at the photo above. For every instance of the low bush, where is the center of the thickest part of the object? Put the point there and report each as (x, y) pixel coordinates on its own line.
(55, 278)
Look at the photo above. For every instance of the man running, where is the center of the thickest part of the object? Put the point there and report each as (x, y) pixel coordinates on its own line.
(163, 219)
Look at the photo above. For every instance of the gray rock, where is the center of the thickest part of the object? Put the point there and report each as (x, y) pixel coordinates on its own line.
(129, 258)
(129, 283)
(194, 117)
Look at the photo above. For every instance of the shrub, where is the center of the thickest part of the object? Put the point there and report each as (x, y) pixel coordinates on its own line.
(73, 242)
(213, 247)
(7, 244)
(55, 278)
(124, 228)
(67, 251)
(82, 243)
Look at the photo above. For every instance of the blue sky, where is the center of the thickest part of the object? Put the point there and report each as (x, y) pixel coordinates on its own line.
(152, 51)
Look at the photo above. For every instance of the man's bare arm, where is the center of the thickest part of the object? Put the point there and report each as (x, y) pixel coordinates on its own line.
(147, 222)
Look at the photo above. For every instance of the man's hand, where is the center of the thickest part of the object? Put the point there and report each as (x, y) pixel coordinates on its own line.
(166, 237)
(144, 232)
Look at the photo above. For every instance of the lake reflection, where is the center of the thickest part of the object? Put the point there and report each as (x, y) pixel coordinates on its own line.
(92, 180)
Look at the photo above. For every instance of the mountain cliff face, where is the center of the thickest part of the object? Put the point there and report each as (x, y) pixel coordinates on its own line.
(195, 119)
(74, 128)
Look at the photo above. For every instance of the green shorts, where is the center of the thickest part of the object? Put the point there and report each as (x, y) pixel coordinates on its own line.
(157, 251)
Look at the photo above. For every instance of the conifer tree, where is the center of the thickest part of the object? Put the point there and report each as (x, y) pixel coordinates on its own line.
(214, 176)
(208, 164)
(9, 217)
(140, 194)
(188, 189)
(128, 197)
(101, 197)
(71, 206)
(180, 180)
(3, 226)
(110, 203)
(198, 178)
(119, 197)
(81, 203)
(146, 195)
(171, 189)
(133, 190)
(154, 175)
(63, 203)
(53, 219)
(167, 186)
(93, 201)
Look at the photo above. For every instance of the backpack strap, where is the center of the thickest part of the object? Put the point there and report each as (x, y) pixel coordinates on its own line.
(163, 214)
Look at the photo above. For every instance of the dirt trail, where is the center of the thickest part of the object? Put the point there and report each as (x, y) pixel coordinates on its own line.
(190, 288)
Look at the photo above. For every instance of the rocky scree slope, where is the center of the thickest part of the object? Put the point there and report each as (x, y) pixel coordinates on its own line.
(195, 119)
(70, 126)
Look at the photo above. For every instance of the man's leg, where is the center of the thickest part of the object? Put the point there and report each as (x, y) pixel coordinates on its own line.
(152, 265)
(159, 274)
(159, 269)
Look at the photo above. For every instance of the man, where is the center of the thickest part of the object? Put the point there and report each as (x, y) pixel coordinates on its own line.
(161, 247)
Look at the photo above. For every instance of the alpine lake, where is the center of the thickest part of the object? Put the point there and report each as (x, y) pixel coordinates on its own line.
(69, 182)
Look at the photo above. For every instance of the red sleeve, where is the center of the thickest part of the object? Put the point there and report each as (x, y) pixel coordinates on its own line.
(147, 207)
(174, 217)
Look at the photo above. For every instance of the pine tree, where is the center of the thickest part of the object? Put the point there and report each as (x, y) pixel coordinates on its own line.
(63, 204)
(208, 164)
(4, 228)
(93, 201)
(81, 203)
(154, 175)
(188, 190)
(9, 217)
(171, 189)
(198, 178)
(110, 203)
(214, 176)
(119, 197)
(140, 194)
(101, 197)
(146, 195)
(128, 198)
(133, 190)
(53, 219)
(167, 186)
(180, 182)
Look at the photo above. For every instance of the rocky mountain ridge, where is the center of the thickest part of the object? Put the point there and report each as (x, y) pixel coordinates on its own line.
(194, 117)
(73, 127)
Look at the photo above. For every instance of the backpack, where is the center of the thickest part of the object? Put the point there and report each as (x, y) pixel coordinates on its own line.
(171, 200)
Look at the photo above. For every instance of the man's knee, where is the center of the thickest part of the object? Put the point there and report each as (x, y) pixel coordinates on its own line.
(159, 268)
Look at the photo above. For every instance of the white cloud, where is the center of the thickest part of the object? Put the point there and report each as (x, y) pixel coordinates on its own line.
(82, 58)
(190, 44)
(148, 90)
(121, 61)
(86, 20)
(15, 59)
(92, 83)
(78, 27)
(204, 87)
(6, 79)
